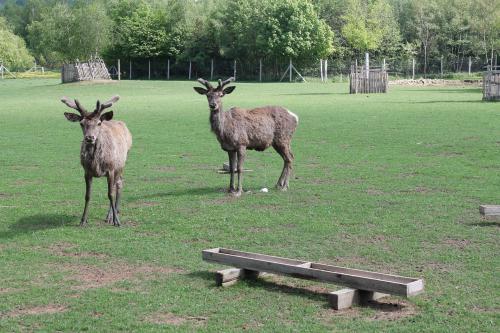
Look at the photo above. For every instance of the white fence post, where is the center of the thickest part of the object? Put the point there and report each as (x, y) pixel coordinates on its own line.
(119, 70)
(260, 70)
(321, 69)
(168, 69)
(326, 70)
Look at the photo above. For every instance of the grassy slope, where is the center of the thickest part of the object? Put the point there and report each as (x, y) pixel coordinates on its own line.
(384, 182)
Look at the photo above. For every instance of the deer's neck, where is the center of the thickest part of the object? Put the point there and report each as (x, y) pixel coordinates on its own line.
(217, 122)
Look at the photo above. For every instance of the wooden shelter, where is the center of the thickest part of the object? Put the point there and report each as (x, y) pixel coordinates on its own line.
(94, 69)
(491, 84)
(366, 80)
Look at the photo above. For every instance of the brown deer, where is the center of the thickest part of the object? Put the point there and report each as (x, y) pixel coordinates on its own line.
(103, 151)
(240, 129)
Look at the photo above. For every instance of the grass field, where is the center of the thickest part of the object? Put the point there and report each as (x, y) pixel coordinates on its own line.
(388, 182)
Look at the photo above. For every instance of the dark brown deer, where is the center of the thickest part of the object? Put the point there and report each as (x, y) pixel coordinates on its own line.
(240, 129)
(103, 151)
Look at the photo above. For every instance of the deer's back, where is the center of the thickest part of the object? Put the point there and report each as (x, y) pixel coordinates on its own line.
(260, 127)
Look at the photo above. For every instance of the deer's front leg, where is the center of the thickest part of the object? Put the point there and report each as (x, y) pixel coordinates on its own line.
(111, 197)
(232, 165)
(118, 189)
(241, 158)
(88, 190)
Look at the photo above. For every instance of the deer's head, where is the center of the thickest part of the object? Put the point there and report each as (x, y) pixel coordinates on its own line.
(214, 95)
(90, 122)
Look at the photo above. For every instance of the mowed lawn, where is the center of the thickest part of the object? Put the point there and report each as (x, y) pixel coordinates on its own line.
(389, 182)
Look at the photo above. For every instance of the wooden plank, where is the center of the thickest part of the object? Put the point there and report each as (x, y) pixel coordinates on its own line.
(354, 278)
(489, 210)
(345, 298)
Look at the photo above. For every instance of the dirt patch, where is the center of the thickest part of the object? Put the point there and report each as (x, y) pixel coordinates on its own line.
(163, 168)
(435, 82)
(258, 229)
(374, 192)
(68, 250)
(167, 318)
(196, 241)
(4, 195)
(22, 182)
(436, 267)
(139, 204)
(8, 290)
(457, 243)
(90, 276)
(37, 310)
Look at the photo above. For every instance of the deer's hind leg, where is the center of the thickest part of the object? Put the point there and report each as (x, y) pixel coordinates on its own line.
(232, 166)
(287, 155)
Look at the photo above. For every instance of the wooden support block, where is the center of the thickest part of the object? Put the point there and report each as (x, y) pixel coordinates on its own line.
(489, 210)
(345, 298)
(228, 277)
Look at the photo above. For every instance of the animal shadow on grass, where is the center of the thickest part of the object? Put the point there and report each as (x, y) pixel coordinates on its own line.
(182, 192)
(38, 222)
(486, 224)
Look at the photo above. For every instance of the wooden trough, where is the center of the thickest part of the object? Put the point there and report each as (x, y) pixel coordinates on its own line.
(489, 210)
(363, 285)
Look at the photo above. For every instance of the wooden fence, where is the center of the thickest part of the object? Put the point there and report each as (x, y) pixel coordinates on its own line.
(361, 81)
(491, 84)
(94, 69)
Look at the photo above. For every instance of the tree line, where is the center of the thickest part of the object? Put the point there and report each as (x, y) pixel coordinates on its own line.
(58, 31)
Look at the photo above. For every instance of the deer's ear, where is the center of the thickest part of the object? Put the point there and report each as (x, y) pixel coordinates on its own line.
(72, 116)
(200, 90)
(229, 90)
(107, 116)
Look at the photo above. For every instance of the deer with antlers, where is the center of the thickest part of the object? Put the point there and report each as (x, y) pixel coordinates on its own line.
(256, 129)
(103, 151)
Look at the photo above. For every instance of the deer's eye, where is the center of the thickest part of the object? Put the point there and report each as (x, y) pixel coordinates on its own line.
(99, 123)
(81, 124)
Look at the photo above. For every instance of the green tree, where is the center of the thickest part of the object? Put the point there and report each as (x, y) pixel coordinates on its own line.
(13, 52)
(370, 26)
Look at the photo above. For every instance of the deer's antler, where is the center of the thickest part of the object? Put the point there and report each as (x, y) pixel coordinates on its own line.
(225, 82)
(207, 84)
(102, 106)
(74, 104)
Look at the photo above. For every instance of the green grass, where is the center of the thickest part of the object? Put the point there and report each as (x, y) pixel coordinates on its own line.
(388, 182)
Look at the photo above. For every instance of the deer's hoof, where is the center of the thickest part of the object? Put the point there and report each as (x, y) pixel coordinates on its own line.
(236, 194)
(83, 223)
(282, 188)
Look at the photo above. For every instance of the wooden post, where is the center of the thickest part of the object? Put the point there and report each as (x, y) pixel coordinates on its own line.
(130, 69)
(260, 70)
(212, 69)
(340, 77)
(325, 68)
(119, 71)
(356, 78)
(383, 64)
(413, 69)
(234, 72)
(168, 69)
(189, 70)
(470, 64)
(290, 67)
(321, 69)
(441, 66)
(149, 69)
(1, 68)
